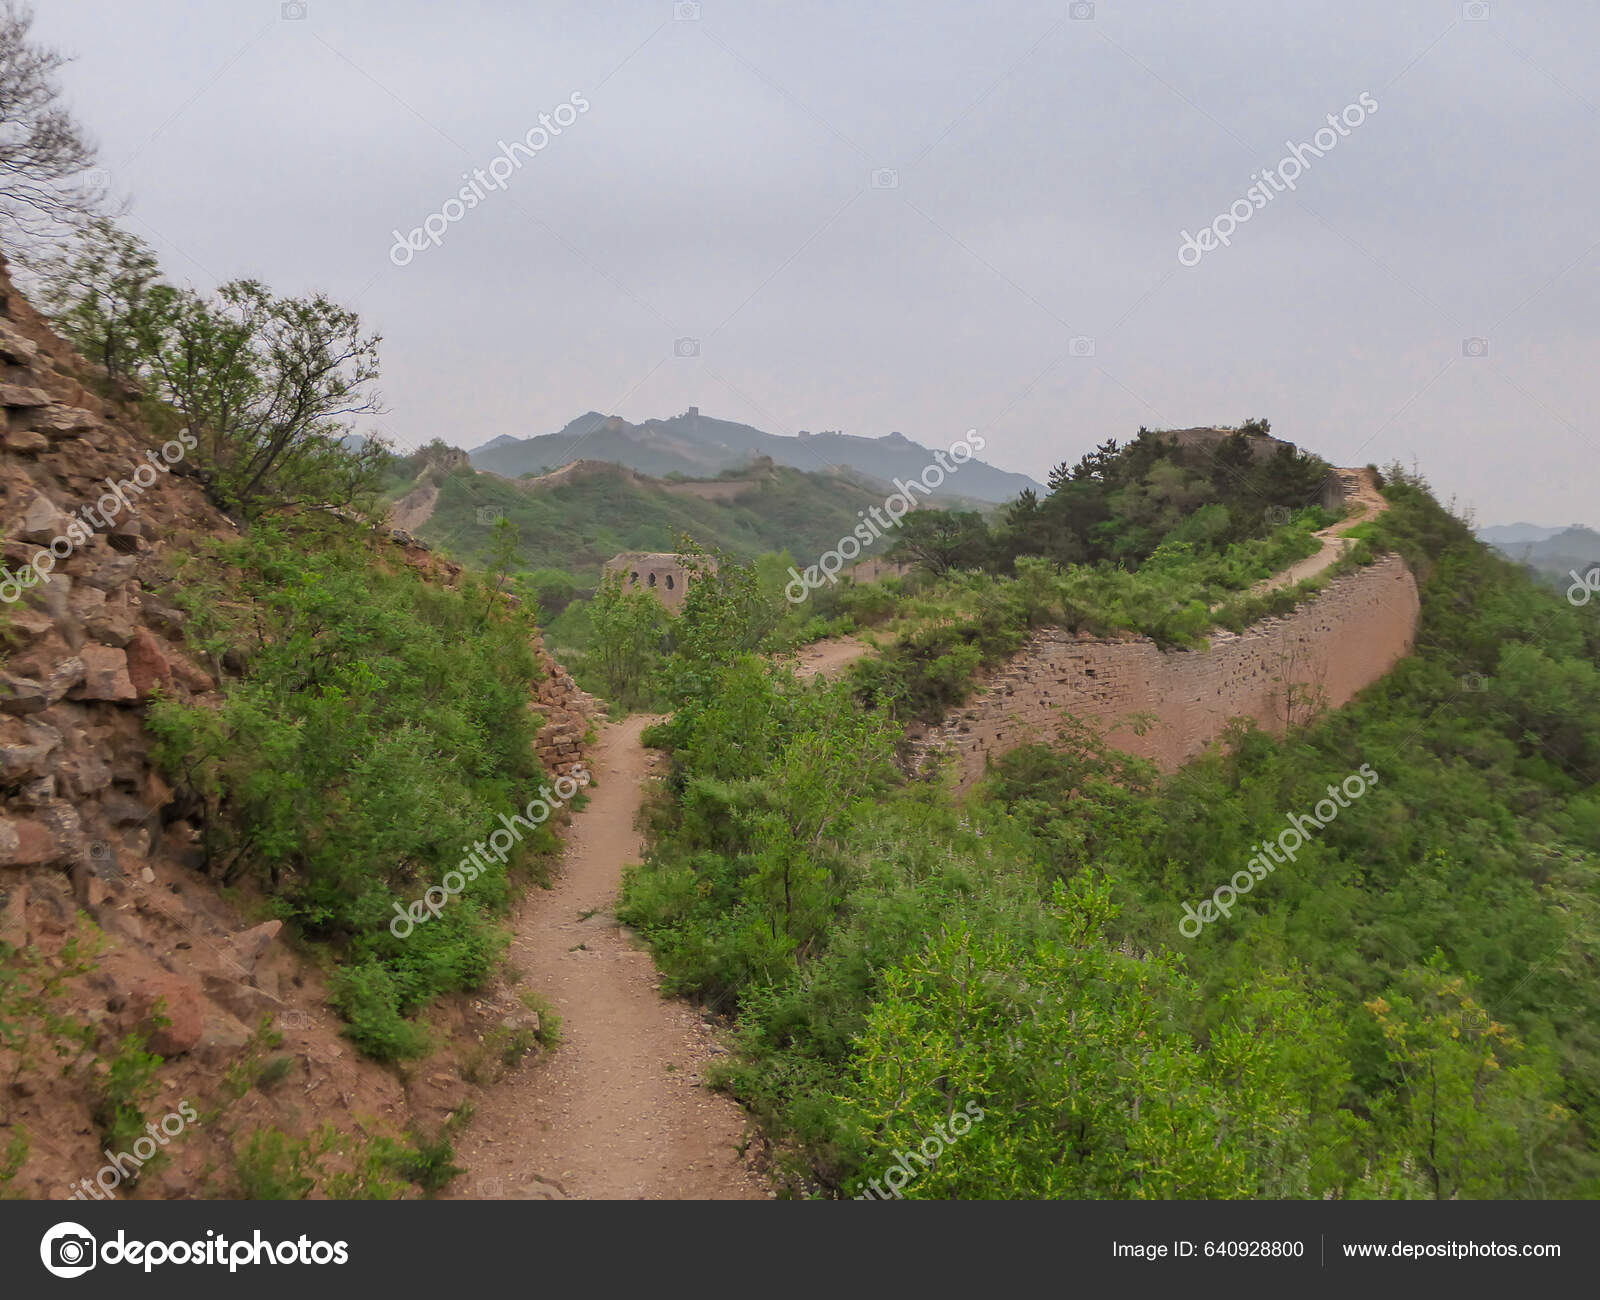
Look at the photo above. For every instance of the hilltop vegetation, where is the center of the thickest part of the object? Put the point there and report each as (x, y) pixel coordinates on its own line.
(1119, 504)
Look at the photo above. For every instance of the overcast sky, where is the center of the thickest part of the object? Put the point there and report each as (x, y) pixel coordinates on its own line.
(884, 215)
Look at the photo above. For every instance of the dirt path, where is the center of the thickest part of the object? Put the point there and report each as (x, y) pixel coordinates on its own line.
(414, 509)
(618, 1110)
(827, 657)
(1361, 493)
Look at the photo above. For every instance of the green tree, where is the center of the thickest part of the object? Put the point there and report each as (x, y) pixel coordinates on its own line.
(725, 613)
(264, 385)
(942, 540)
(101, 294)
(1475, 1110)
(500, 560)
(805, 813)
(1086, 1086)
(626, 640)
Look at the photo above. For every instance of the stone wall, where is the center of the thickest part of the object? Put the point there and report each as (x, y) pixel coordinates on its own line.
(1278, 671)
(567, 711)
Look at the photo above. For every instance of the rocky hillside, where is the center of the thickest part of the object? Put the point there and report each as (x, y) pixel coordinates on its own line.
(129, 985)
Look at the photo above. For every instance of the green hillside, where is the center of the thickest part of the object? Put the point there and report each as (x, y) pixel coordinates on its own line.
(1408, 1012)
(578, 525)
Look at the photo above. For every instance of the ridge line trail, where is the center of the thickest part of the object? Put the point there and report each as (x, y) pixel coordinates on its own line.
(618, 1109)
(824, 658)
(1363, 494)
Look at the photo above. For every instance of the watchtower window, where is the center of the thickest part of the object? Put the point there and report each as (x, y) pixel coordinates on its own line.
(633, 580)
(669, 582)
(652, 579)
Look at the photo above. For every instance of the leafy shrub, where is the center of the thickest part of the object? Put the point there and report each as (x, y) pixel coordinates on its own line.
(272, 1166)
(366, 996)
(381, 727)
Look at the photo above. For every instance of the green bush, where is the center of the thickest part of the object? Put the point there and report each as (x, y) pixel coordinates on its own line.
(367, 997)
(380, 729)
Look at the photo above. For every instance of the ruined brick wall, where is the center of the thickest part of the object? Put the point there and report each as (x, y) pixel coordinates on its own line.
(567, 711)
(1275, 672)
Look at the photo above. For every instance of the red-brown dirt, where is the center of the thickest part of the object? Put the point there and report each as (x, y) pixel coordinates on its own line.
(619, 1110)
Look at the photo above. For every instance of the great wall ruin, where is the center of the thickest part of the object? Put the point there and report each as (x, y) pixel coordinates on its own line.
(1276, 672)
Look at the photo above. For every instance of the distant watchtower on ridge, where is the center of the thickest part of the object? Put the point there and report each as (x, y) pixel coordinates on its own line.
(664, 574)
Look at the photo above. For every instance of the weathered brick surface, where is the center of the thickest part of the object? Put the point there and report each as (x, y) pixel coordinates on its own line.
(1275, 672)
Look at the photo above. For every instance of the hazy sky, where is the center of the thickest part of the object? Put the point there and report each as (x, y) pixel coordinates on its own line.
(1038, 162)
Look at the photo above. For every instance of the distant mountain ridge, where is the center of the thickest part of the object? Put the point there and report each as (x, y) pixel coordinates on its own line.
(492, 444)
(1555, 556)
(699, 445)
(1515, 534)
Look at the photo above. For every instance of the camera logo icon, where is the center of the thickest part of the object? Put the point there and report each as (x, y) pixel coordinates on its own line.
(686, 11)
(491, 1189)
(885, 178)
(1081, 10)
(1277, 516)
(489, 515)
(1081, 346)
(1474, 683)
(1474, 347)
(293, 1019)
(292, 11)
(99, 851)
(68, 1250)
(1475, 11)
(686, 347)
